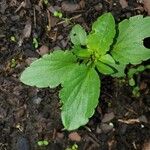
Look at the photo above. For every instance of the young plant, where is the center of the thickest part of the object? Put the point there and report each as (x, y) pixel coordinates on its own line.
(43, 143)
(58, 14)
(103, 51)
(131, 73)
(73, 147)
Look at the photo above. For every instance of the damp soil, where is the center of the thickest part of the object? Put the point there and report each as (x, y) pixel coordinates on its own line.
(29, 114)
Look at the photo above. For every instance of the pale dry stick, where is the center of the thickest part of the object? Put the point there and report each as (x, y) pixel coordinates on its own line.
(20, 6)
(129, 121)
(134, 145)
(49, 20)
(40, 3)
(75, 17)
(34, 16)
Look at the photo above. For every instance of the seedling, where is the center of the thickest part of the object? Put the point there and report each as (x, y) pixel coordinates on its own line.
(13, 63)
(131, 73)
(35, 42)
(73, 147)
(101, 51)
(13, 39)
(58, 14)
(43, 143)
(45, 2)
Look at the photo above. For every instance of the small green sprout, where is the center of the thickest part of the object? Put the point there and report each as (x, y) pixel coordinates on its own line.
(132, 82)
(45, 2)
(131, 76)
(13, 39)
(73, 147)
(136, 91)
(58, 14)
(43, 143)
(35, 42)
(13, 63)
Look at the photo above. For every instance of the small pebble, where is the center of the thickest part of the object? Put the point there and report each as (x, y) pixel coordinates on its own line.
(60, 135)
(37, 100)
(143, 119)
(98, 7)
(43, 50)
(106, 127)
(108, 117)
(74, 136)
(69, 7)
(98, 130)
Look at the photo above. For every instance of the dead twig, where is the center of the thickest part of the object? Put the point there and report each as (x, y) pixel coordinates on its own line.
(129, 121)
(75, 17)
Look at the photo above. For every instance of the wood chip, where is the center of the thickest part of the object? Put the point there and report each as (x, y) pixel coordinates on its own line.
(74, 136)
(108, 117)
(123, 3)
(129, 121)
(147, 6)
(26, 32)
(69, 7)
(146, 146)
(43, 50)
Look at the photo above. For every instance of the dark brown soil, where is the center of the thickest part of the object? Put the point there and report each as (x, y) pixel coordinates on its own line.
(28, 114)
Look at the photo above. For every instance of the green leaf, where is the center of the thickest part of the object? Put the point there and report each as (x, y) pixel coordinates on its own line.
(132, 82)
(78, 35)
(107, 59)
(107, 65)
(79, 96)
(129, 47)
(50, 70)
(81, 52)
(102, 34)
(104, 69)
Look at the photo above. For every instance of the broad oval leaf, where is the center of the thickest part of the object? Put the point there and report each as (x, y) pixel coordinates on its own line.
(78, 35)
(50, 70)
(129, 47)
(79, 96)
(102, 34)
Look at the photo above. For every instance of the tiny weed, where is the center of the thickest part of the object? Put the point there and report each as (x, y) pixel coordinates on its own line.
(35, 42)
(43, 143)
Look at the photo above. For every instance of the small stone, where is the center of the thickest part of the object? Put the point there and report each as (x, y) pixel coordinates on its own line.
(106, 128)
(143, 119)
(43, 50)
(64, 43)
(60, 37)
(98, 130)
(74, 136)
(108, 117)
(98, 7)
(29, 60)
(69, 7)
(123, 3)
(60, 135)
(37, 100)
